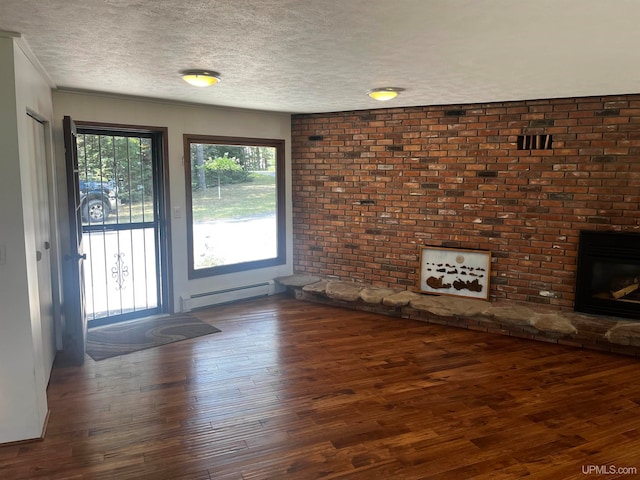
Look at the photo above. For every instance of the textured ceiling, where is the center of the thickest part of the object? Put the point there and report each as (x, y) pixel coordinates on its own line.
(324, 55)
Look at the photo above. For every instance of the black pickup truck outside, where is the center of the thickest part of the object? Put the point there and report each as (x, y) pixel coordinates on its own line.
(98, 200)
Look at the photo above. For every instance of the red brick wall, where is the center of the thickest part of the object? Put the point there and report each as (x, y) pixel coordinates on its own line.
(381, 183)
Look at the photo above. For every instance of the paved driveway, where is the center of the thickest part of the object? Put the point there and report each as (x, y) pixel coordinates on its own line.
(120, 270)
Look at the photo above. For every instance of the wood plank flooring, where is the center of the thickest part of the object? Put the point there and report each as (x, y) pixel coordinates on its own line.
(295, 390)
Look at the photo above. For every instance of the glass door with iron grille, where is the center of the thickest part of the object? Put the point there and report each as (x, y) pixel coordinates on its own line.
(120, 198)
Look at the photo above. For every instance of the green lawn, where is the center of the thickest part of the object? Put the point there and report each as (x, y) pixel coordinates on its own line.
(133, 211)
(257, 197)
(240, 200)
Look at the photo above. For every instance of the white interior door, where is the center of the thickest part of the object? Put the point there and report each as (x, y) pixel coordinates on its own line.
(43, 242)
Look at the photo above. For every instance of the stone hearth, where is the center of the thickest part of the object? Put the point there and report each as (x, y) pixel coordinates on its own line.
(507, 318)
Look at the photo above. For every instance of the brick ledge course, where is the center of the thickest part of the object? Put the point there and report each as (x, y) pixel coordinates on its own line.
(506, 318)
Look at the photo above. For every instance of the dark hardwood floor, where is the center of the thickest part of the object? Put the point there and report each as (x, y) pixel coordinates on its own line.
(295, 390)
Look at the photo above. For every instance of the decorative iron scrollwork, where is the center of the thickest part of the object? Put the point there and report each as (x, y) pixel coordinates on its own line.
(120, 271)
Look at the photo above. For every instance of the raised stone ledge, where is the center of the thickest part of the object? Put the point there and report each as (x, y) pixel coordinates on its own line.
(508, 318)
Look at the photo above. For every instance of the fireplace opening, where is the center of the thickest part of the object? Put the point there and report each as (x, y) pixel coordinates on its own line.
(608, 274)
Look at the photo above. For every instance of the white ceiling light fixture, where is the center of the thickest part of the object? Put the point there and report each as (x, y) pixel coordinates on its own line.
(200, 78)
(385, 93)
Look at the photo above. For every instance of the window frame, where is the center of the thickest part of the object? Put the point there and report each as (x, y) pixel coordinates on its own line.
(280, 258)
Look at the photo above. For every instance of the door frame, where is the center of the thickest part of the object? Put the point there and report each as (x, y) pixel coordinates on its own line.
(161, 184)
(160, 136)
(46, 238)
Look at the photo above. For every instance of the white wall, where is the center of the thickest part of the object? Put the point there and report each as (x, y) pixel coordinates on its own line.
(23, 379)
(180, 119)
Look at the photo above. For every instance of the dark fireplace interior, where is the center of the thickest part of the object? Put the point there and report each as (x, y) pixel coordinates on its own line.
(608, 274)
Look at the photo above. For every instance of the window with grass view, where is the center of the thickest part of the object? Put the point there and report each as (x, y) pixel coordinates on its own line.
(235, 204)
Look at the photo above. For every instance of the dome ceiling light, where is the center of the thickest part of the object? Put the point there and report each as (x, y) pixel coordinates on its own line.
(385, 93)
(200, 78)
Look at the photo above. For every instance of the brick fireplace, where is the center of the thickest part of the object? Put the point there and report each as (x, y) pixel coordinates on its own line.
(520, 179)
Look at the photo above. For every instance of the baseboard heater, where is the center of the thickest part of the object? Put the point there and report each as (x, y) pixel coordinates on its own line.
(207, 299)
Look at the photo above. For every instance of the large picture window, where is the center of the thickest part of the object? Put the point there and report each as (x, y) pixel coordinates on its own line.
(235, 203)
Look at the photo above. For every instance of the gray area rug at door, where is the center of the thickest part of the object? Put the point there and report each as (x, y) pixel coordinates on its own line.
(132, 336)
